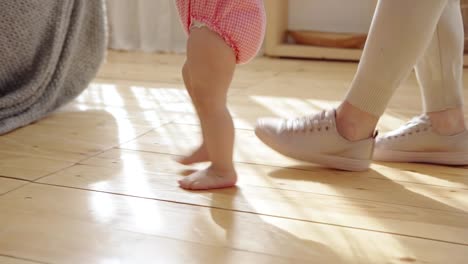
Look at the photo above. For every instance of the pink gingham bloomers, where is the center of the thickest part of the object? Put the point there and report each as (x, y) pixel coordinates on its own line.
(241, 23)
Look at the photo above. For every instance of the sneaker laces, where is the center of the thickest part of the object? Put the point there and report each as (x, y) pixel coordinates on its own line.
(415, 125)
(308, 123)
(423, 119)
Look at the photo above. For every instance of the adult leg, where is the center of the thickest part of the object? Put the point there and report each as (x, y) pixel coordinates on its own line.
(440, 73)
(439, 136)
(400, 33)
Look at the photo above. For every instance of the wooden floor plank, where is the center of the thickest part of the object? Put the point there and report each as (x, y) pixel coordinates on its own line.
(7, 184)
(133, 230)
(29, 168)
(373, 185)
(13, 260)
(66, 140)
(446, 223)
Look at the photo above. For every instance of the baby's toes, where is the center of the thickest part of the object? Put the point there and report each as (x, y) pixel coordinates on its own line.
(185, 183)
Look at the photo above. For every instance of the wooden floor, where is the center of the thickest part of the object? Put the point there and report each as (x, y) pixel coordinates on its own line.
(96, 183)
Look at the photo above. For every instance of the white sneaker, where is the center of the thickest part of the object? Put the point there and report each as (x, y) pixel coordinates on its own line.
(417, 142)
(315, 139)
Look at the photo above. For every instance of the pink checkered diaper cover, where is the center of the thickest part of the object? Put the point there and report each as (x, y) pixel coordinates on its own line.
(241, 23)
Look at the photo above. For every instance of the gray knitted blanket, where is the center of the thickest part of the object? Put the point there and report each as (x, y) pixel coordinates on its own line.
(49, 52)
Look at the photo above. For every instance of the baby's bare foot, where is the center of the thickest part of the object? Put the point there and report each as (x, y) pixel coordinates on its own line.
(199, 155)
(208, 179)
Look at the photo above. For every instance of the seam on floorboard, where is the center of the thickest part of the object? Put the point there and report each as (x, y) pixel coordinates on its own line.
(254, 213)
(14, 189)
(13, 178)
(198, 125)
(24, 259)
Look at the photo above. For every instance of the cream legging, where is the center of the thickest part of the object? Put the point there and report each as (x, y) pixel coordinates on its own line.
(425, 34)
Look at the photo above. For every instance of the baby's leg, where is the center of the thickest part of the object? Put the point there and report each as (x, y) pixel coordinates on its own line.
(211, 63)
(201, 153)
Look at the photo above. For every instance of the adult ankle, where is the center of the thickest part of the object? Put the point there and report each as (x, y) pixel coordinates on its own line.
(448, 122)
(353, 123)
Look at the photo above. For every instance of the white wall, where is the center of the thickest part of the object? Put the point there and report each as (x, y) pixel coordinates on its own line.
(331, 15)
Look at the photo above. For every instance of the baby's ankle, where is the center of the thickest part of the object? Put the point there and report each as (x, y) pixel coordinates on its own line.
(223, 170)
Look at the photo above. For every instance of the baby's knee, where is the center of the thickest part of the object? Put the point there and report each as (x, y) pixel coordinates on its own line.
(203, 100)
(208, 102)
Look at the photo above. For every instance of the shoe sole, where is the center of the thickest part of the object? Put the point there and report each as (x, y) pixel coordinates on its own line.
(328, 161)
(442, 158)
